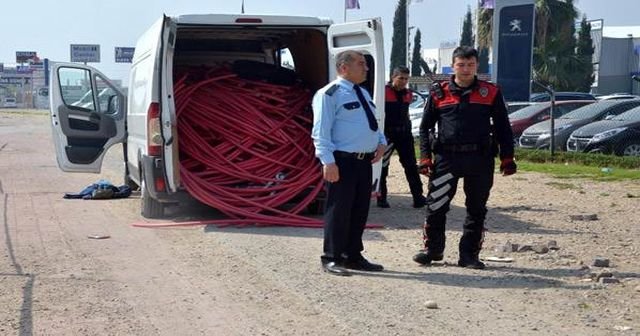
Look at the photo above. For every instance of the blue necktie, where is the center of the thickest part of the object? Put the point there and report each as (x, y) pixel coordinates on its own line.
(373, 124)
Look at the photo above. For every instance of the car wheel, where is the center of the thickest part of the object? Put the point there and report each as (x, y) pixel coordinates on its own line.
(631, 149)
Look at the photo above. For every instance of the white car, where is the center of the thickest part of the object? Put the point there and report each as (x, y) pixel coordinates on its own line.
(10, 102)
(416, 109)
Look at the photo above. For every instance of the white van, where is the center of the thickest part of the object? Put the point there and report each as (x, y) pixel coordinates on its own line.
(144, 120)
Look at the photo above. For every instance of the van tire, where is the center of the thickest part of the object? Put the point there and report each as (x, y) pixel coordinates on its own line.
(150, 208)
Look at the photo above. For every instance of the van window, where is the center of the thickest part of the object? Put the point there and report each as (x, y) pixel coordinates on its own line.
(77, 92)
(75, 85)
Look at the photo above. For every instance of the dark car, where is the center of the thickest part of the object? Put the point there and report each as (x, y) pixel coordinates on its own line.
(544, 96)
(619, 135)
(515, 106)
(539, 135)
(525, 117)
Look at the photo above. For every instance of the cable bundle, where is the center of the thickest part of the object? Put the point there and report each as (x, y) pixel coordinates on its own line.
(245, 147)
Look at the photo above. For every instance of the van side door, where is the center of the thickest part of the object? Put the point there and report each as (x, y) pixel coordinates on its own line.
(87, 116)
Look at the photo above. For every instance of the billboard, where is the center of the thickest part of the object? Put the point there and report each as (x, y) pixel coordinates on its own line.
(124, 54)
(26, 56)
(513, 41)
(85, 53)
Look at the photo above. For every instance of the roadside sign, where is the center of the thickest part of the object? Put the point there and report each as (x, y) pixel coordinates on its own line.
(25, 56)
(23, 69)
(39, 65)
(12, 80)
(124, 54)
(85, 53)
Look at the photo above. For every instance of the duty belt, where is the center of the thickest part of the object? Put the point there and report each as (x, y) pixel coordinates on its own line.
(357, 155)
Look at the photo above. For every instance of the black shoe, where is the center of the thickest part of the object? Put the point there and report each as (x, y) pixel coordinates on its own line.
(471, 262)
(362, 264)
(419, 202)
(425, 258)
(382, 203)
(333, 268)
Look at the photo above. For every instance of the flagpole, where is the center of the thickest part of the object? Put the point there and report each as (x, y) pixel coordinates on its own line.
(345, 11)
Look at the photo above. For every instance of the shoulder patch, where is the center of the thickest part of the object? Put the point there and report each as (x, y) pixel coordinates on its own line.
(330, 91)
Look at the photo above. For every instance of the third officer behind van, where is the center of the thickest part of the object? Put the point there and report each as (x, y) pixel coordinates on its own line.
(472, 127)
(397, 129)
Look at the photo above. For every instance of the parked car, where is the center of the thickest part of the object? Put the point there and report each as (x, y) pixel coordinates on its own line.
(617, 96)
(515, 106)
(539, 135)
(619, 135)
(9, 102)
(544, 96)
(525, 117)
(416, 109)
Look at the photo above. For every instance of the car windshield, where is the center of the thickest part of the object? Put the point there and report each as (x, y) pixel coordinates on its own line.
(631, 115)
(528, 111)
(590, 111)
(418, 102)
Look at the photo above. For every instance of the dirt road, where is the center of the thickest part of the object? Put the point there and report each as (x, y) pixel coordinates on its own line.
(54, 280)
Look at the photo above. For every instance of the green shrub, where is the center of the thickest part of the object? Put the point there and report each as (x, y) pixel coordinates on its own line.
(585, 159)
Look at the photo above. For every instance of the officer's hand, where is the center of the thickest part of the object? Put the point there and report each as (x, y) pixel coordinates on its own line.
(379, 153)
(330, 172)
(508, 166)
(425, 167)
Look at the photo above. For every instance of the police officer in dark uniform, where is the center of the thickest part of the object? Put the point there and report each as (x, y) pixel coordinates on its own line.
(472, 127)
(397, 129)
(347, 141)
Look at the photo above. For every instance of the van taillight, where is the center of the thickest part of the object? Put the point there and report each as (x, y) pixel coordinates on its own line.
(154, 135)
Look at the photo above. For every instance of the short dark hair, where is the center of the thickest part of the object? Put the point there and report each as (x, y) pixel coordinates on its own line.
(399, 70)
(464, 52)
(346, 57)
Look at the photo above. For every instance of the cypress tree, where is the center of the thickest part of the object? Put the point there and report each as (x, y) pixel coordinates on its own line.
(399, 38)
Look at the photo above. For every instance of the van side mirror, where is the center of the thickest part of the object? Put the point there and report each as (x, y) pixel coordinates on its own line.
(112, 104)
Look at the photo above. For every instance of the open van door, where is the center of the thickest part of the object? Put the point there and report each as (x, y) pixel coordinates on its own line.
(87, 116)
(364, 36)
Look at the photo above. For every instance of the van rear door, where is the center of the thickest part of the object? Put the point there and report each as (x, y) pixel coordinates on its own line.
(167, 104)
(366, 37)
(87, 116)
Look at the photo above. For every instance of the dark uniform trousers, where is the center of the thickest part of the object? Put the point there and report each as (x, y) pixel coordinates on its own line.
(347, 208)
(476, 170)
(403, 143)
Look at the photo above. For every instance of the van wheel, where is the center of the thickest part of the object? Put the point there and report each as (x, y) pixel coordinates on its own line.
(150, 208)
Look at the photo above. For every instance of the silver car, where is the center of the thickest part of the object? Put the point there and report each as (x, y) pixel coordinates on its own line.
(539, 135)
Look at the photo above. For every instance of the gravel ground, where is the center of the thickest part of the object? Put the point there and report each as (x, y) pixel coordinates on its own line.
(268, 281)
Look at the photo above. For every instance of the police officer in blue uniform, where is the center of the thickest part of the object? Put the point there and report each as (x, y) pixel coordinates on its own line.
(347, 141)
(473, 127)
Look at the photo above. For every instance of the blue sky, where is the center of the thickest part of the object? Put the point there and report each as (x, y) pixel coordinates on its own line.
(49, 27)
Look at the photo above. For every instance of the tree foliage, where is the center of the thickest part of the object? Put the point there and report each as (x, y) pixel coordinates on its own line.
(558, 59)
(467, 38)
(584, 50)
(418, 65)
(399, 38)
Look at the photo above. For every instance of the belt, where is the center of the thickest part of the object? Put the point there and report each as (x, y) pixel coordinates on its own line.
(357, 156)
